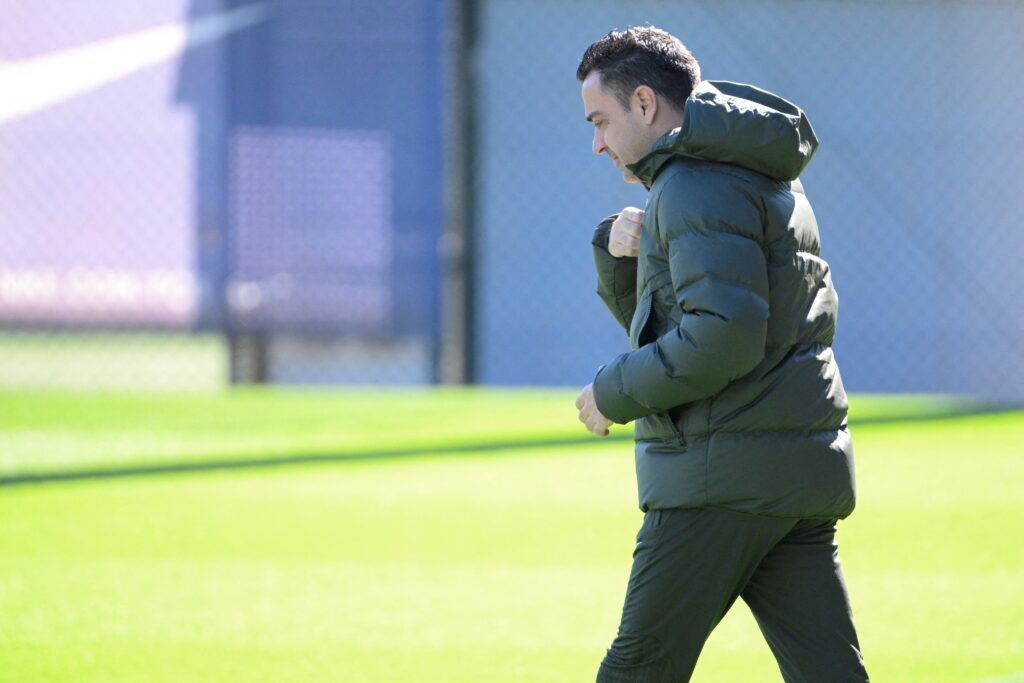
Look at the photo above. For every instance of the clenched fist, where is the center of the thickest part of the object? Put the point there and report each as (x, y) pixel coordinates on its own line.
(624, 237)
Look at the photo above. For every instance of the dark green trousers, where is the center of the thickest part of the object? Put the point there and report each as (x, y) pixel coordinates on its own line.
(689, 567)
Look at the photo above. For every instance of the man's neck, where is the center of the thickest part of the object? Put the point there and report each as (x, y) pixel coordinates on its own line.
(666, 123)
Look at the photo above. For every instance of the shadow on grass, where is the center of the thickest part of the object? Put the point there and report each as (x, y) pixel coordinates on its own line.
(427, 451)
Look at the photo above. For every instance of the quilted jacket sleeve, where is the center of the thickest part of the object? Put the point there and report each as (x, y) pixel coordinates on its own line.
(709, 230)
(616, 277)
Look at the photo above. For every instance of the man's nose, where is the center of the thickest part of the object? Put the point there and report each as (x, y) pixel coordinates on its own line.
(598, 144)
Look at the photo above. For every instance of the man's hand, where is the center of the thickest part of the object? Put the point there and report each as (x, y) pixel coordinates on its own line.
(624, 237)
(589, 414)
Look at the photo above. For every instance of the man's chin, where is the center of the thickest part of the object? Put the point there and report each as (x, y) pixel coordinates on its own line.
(627, 175)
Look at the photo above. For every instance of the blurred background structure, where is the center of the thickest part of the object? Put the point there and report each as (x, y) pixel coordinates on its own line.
(205, 192)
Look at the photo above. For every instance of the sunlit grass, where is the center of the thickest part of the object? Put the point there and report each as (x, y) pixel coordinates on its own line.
(499, 565)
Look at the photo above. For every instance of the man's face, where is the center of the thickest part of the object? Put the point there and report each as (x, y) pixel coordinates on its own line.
(618, 133)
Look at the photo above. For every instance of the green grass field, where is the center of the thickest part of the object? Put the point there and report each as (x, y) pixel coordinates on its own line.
(445, 537)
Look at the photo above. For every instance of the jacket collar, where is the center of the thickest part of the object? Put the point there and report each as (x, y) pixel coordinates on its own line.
(735, 124)
(648, 167)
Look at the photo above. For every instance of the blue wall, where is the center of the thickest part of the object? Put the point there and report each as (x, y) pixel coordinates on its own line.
(334, 168)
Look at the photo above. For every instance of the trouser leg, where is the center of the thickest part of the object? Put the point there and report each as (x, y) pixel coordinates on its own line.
(689, 566)
(799, 599)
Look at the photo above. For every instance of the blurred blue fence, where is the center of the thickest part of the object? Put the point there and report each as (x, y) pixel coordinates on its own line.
(287, 174)
(916, 185)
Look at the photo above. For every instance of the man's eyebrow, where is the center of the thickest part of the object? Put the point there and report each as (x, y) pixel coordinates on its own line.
(591, 115)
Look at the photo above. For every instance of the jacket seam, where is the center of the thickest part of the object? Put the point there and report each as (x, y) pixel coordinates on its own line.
(615, 292)
(658, 439)
(707, 456)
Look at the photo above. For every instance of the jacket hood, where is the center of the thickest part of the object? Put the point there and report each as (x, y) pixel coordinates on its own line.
(736, 124)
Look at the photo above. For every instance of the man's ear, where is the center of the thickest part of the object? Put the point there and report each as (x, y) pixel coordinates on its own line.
(645, 99)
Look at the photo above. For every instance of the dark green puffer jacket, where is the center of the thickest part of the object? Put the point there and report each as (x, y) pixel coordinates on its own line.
(731, 315)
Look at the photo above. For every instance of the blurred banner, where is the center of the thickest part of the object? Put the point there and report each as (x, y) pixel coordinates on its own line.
(97, 199)
(252, 168)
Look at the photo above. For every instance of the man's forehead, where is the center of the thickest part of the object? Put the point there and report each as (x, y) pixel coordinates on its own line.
(594, 96)
(592, 85)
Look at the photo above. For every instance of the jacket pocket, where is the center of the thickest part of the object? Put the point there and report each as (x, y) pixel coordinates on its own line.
(641, 318)
(675, 418)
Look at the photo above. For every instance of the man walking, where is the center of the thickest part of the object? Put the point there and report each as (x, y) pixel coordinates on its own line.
(743, 457)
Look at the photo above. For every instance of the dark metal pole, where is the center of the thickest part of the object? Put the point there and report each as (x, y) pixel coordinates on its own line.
(249, 358)
(455, 358)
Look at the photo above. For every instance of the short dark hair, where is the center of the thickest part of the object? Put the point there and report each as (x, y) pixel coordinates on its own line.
(642, 55)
